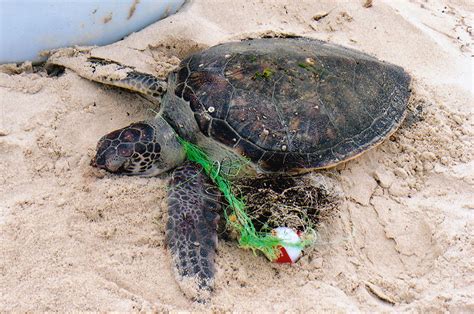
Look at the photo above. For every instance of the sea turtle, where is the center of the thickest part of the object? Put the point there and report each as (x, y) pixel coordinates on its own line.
(288, 105)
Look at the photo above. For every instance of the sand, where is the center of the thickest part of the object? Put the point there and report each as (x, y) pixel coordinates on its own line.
(402, 239)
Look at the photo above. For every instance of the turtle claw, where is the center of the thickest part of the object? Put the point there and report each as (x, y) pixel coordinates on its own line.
(191, 231)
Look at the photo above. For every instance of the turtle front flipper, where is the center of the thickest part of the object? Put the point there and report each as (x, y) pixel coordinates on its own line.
(109, 73)
(191, 231)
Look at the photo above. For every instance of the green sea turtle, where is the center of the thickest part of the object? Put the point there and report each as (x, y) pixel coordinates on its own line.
(288, 105)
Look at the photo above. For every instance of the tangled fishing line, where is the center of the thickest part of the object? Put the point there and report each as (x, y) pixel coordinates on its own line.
(275, 202)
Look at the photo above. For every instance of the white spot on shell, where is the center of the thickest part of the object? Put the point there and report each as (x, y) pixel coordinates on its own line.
(310, 61)
(227, 56)
(211, 109)
(284, 148)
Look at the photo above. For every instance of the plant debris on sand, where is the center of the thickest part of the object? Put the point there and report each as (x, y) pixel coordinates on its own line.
(298, 202)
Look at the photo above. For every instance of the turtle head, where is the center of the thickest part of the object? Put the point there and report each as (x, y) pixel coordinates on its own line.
(145, 148)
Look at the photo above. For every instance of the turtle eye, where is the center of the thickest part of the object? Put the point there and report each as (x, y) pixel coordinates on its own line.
(125, 150)
(130, 135)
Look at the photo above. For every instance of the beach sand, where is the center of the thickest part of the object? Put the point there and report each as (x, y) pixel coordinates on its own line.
(402, 240)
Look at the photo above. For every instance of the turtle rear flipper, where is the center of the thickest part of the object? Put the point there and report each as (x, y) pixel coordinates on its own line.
(191, 231)
(110, 73)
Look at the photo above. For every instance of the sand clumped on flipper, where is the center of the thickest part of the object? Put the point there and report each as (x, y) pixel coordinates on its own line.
(82, 63)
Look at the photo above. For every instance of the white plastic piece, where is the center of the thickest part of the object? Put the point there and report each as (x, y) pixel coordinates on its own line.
(289, 253)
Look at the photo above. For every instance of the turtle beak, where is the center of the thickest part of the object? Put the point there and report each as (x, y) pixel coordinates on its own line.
(93, 163)
(110, 161)
(115, 165)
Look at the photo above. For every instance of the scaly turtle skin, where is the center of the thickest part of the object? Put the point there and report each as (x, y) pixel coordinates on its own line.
(287, 105)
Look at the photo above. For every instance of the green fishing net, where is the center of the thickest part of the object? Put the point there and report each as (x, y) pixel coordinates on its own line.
(250, 237)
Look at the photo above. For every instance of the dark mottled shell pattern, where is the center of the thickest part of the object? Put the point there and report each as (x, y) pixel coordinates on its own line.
(289, 104)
